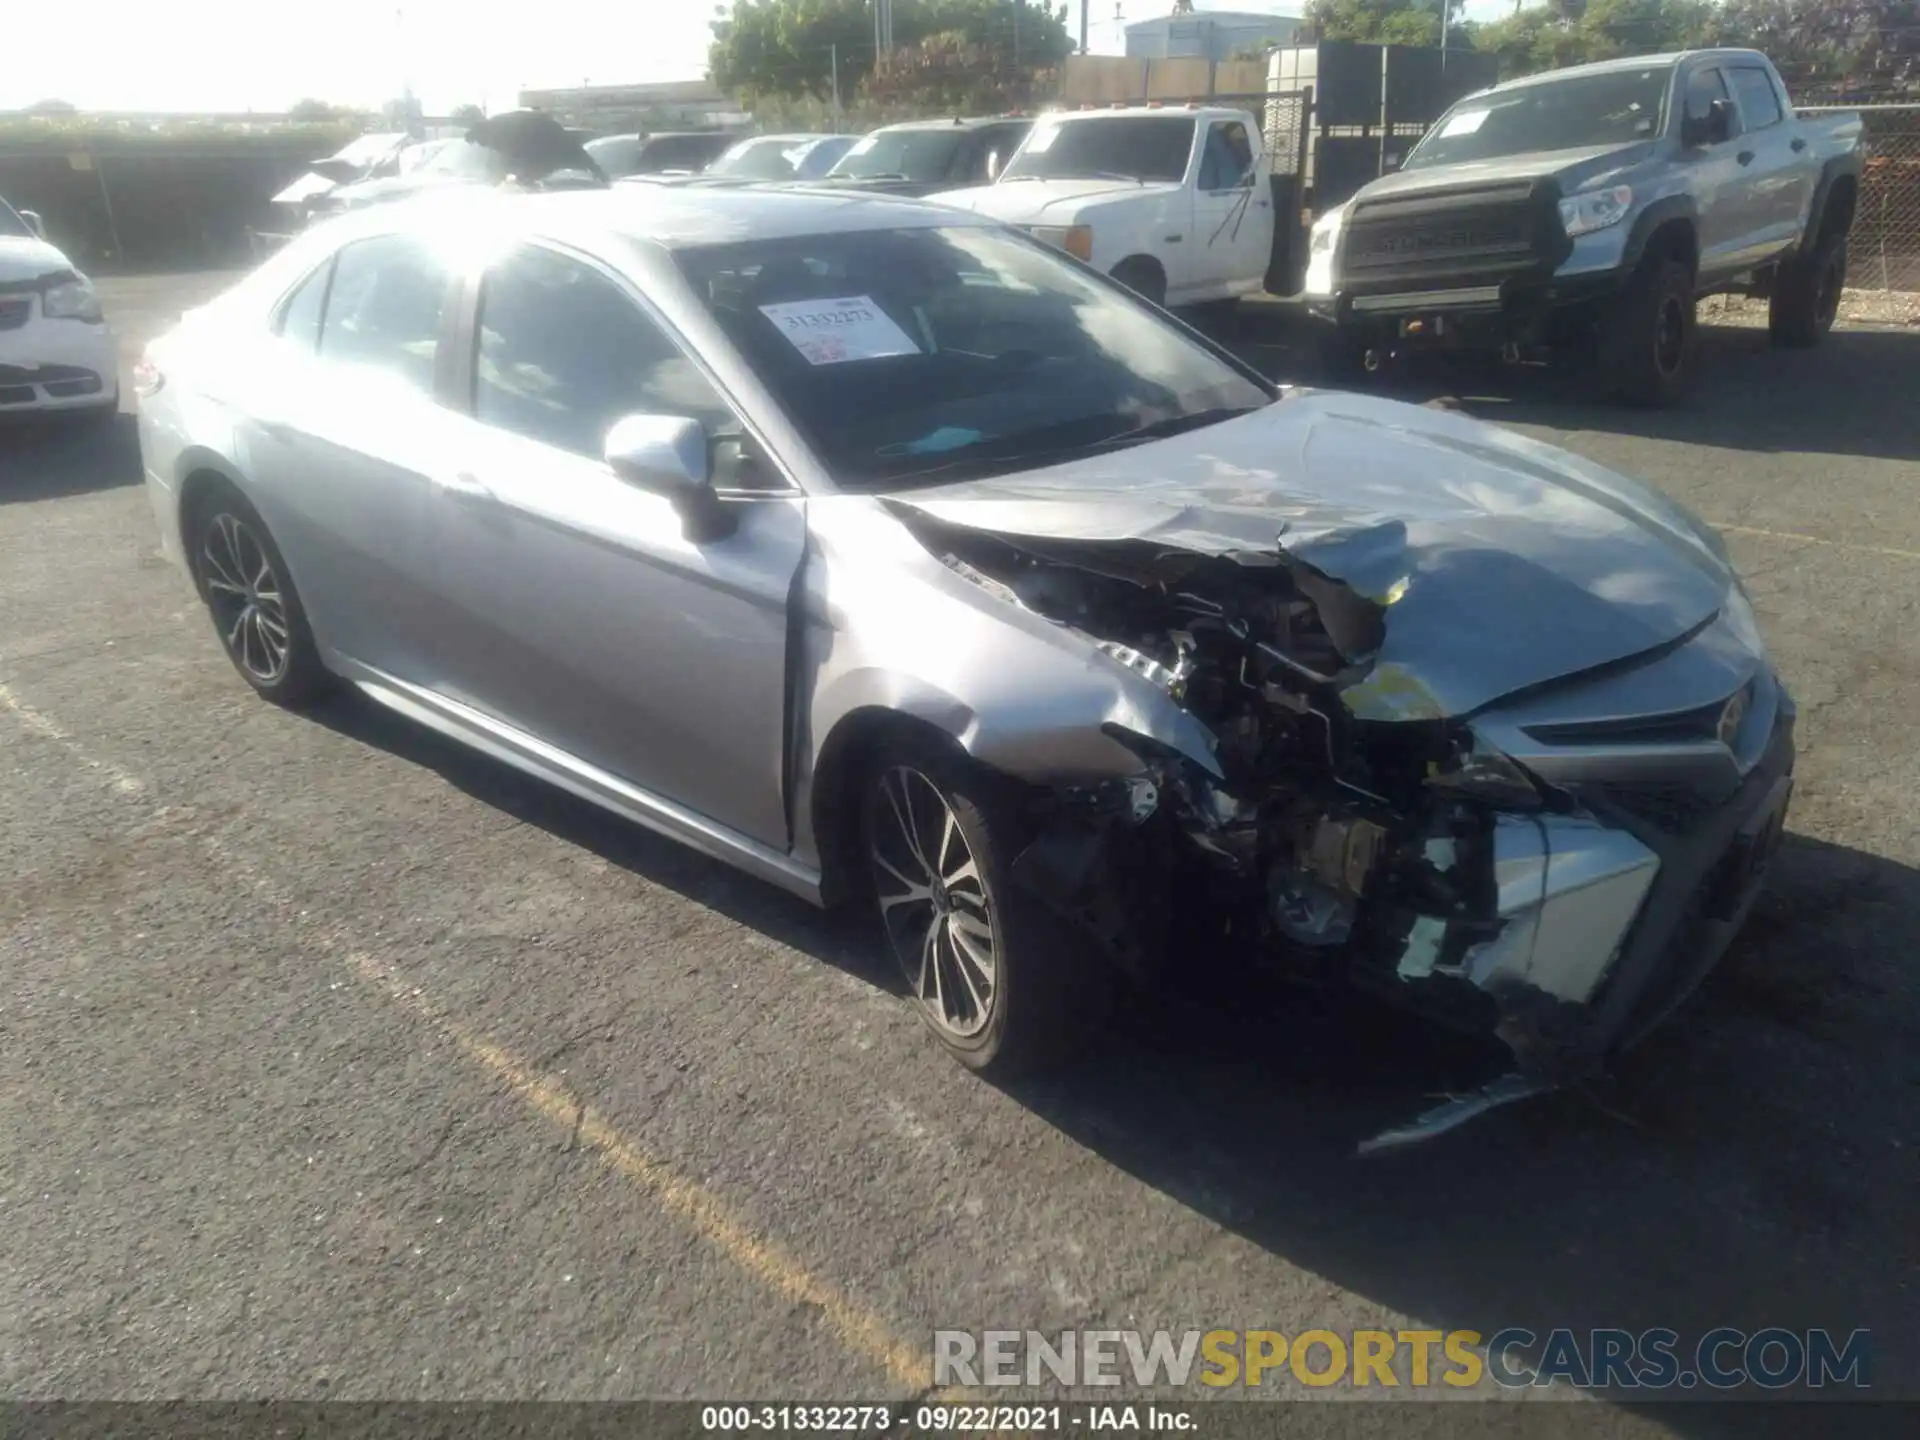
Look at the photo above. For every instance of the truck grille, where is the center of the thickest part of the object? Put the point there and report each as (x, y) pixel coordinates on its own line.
(1452, 238)
(14, 312)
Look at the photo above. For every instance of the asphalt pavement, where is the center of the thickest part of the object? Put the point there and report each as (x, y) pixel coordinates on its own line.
(337, 1063)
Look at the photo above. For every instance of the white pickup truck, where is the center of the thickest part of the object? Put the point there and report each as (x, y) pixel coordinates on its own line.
(1171, 201)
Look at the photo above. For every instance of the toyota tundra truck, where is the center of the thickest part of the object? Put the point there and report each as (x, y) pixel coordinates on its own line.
(1588, 209)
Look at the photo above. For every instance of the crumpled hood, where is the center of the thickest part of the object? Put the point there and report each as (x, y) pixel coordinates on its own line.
(24, 258)
(1502, 562)
(1038, 201)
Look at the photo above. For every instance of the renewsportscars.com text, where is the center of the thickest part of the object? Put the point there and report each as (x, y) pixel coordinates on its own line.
(1654, 1359)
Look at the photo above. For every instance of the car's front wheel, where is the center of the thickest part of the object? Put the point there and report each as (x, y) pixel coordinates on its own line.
(1003, 983)
(249, 593)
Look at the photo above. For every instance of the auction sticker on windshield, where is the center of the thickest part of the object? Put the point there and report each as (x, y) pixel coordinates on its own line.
(827, 332)
(1465, 123)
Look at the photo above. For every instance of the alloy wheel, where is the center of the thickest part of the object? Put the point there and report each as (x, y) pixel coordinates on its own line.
(247, 598)
(933, 902)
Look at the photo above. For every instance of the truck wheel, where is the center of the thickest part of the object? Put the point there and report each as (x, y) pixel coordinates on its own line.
(1650, 356)
(1806, 294)
(1143, 277)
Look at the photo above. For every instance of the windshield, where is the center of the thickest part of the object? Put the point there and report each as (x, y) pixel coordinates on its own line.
(11, 224)
(917, 356)
(369, 150)
(1132, 147)
(617, 155)
(909, 154)
(679, 152)
(1615, 107)
(771, 157)
(464, 160)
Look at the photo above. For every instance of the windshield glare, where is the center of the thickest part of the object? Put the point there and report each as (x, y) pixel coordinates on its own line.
(1616, 107)
(916, 154)
(919, 355)
(1150, 148)
(464, 160)
(775, 157)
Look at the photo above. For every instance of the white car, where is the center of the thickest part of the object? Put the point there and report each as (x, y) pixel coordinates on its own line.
(1172, 201)
(56, 352)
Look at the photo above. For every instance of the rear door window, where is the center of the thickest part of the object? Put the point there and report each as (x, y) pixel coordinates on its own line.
(384, 308)
(1753, 88)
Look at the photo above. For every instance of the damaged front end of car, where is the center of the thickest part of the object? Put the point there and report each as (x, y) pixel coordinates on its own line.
(1348, 825)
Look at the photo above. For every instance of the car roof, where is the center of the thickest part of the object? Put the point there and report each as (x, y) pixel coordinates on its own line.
(1627, 62)
(958, 122)
(1183, 111)
(670, 216)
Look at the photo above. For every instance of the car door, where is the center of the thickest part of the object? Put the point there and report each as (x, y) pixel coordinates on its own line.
(1715, 178)
(1777, 174)
(1229, 240)
(340, 435)
(586, 616)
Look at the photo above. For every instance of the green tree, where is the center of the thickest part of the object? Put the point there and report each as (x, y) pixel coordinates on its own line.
(790, 48)
(1388, 22)
(311, 112)
(1558, 34)
(466, 115)
(52, 107)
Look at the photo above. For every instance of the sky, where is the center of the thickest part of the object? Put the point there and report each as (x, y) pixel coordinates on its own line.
(236, 55)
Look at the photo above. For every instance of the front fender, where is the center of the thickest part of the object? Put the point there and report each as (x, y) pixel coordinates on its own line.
(1668, 207)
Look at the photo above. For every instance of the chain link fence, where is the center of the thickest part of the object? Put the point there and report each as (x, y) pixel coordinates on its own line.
(1884, 249)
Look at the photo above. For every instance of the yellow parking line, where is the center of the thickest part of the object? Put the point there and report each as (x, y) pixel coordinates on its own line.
(1818, 540)
(860, 1331)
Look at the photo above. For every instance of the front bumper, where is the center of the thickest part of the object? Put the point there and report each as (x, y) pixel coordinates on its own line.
(1610, 920)
(1526, 313)
(48, 365)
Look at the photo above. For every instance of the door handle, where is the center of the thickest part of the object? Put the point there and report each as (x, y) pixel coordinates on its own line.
(462, 487)
(275, 429)
(1745, 157)
(1171, 240)
(1799, 142)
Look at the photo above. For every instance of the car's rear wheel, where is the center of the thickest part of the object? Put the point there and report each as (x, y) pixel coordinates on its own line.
(1806, 295)
(249, 594)
(1651, 355)
(1003, 983)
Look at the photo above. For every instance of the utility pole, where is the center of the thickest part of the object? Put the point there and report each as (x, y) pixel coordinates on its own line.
(833, 59)
(1085, 6)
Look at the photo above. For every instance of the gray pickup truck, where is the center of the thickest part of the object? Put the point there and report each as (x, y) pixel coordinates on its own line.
(1590, 208)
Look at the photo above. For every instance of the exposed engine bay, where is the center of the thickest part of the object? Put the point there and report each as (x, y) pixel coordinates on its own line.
(1333, 847)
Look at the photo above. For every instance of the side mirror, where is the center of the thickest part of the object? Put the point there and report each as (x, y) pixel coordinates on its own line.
(1713, 128)
(993, 165)
(667, 455)
(34, 222)
(1391, 163)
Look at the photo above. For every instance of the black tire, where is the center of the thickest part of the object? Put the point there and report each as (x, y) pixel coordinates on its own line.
(1806, 294)
(1144, 278)
(1651, 356)
(1044, 993)
(248, 591)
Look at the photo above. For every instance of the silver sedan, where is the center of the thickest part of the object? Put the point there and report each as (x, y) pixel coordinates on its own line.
(887, 554)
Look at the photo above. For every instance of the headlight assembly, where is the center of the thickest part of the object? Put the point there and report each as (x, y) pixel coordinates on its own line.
(71, 300)
(1076, 240)
(1320, 247)
(1596, 209)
